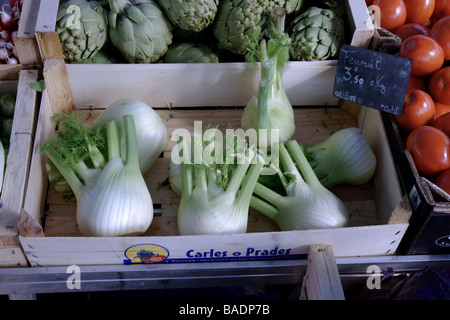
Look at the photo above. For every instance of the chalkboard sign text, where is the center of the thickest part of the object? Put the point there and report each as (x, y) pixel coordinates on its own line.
(373, 79)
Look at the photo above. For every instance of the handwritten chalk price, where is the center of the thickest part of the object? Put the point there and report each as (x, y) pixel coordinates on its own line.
(373, 79)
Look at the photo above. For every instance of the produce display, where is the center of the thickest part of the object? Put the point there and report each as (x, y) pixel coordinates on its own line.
(293, 196)
(9, 24)
(102, 166)
(425, 39)
(144, 31)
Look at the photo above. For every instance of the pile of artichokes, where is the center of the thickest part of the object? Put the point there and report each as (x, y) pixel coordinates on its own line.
(189, 31)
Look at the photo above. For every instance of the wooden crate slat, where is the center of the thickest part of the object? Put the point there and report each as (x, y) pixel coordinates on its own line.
(322, 281)
(25, 43)
(17, 170)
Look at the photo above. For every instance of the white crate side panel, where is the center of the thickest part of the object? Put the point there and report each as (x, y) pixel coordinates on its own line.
(387, 194)
(373, 240)
(193, 85)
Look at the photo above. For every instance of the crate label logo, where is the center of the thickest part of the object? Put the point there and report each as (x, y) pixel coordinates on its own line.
(443, 241)
(145, 253)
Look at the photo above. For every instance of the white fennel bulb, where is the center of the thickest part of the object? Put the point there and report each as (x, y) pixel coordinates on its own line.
(215, 198)
(150, 129)
(111, 201)
(271, 108)
(306, 204)
(345, 157)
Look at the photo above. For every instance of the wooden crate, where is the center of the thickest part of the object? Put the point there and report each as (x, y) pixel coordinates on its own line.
(360, 27)
(378, 214)
(429, 228)
(25, 43)
(17, 166)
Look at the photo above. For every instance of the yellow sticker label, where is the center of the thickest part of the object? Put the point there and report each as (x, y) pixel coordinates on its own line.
(145, 253)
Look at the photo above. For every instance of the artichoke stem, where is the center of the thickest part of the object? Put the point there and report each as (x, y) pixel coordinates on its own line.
(278, 17)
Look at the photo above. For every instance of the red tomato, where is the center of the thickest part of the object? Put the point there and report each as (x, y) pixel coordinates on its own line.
(443, 180)
(443, 123)
(440, 109)
(416, 82)
(369, 2)
(439, 85)
(430, 149)
(418, 110)
(441, 33)
(419, 11)
(430, 22)
(410, 29)
(392, 13)
(441, 9)
(426, 54)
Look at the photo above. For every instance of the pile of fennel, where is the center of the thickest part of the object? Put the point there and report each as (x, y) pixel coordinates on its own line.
(345, 157)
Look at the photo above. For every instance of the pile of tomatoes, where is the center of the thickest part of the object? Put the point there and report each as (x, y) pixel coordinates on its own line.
(424, 28)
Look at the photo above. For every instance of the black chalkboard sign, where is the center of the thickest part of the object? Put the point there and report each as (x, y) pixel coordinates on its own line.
(373, 79)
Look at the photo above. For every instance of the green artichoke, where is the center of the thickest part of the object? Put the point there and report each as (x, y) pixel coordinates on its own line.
(317, 34)
(291, 6)
(190, 52)
(239, 23)
(193, 15)
(139, 29)
(82, 27)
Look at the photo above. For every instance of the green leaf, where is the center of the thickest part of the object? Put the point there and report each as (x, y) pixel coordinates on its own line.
(38, 86)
